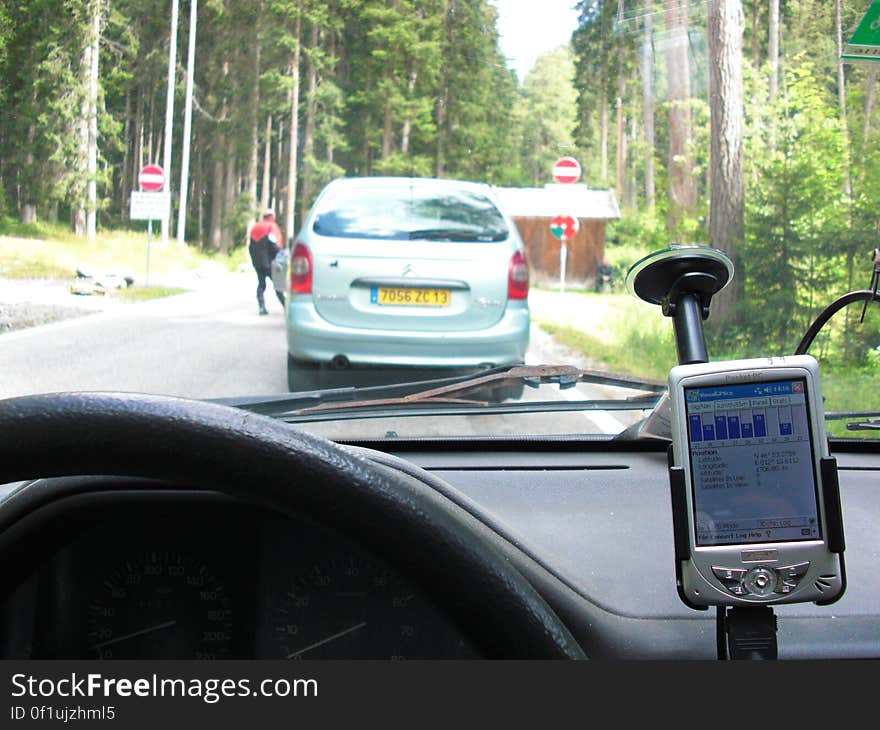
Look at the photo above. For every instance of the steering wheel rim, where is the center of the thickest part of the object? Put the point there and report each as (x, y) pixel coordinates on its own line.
(273, 464)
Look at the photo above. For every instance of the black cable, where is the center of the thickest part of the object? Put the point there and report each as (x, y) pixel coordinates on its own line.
(866, 295)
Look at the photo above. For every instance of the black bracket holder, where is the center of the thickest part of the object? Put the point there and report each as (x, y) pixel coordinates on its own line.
(746, 632)
(683, 280)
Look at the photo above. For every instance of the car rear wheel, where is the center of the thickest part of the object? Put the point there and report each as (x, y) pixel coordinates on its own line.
(303, 375)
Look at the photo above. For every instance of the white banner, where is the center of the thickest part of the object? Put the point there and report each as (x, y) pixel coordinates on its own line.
(149, 206)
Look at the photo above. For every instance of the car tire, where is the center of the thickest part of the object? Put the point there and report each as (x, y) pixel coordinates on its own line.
(304, 375)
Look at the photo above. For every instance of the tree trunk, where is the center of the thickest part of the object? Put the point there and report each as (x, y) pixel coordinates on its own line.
(292, 159)
(333, 65)
(92, 138)
(756, 53)
(150, 157)
(620, 151)
(230, 192)
(200, 208)
(265, 192)
(254, 163)
(441, 131)
(215, 227)
(682, 191)
(367, 147)
(82, 213)
(386, 129)
(632, 185)
(280, 185)
(407, 123)
(122, 198)
(773, 48)
(603, 139)
(215, 224)
(137, 161)
(725, 35)
(646, 68)
(841, 97)
(869, 108)
(308, 147)
(27, 200)
(28, 213)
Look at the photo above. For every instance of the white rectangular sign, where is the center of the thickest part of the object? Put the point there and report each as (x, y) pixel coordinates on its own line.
(149, 206)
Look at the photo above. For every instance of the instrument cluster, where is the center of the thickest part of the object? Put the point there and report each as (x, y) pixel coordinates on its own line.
(222, 586)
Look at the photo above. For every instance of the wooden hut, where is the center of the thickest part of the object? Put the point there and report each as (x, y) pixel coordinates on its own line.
(532, 209)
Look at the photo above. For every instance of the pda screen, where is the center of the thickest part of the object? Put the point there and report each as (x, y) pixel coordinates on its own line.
(752, 469)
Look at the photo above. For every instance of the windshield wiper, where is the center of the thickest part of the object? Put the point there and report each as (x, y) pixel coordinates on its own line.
(413, 398)
(872, 422)
(870, 425)
(452, 234)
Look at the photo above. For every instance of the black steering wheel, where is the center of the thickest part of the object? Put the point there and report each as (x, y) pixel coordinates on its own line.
(269, 463)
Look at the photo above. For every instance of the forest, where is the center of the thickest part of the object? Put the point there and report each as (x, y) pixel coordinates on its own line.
(732, 123)
(737, 125)
(405, 87)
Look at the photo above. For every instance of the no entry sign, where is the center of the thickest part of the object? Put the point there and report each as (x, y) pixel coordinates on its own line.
(564, 227)
(151, 178)
(566, 170)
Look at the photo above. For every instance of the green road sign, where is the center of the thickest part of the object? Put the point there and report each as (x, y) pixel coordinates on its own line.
(865, 42)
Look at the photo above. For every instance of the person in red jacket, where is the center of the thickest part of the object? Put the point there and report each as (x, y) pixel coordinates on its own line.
(265, 241)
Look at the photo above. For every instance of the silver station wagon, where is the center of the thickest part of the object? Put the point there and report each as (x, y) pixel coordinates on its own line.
(392, 275)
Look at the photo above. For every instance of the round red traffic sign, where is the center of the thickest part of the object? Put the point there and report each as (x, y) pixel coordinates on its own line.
(564, 227)
(151, 178)
(566, 170)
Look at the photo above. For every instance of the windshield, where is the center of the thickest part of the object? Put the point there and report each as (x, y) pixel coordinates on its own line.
(406, 212)
(256, 201)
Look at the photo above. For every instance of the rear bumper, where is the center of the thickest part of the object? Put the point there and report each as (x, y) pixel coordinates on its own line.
(310, 337)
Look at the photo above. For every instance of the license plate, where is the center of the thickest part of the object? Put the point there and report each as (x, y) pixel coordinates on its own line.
(410, 297)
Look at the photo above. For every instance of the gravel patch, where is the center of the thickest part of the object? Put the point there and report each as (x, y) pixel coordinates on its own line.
(33, 302)
(20, 315)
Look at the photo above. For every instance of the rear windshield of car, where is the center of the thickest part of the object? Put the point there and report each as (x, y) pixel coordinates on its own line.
(400, 214)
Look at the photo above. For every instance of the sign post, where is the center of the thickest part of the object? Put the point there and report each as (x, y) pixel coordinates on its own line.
(563, 227)
(865, 42)
(150, 203)
(563, 256)
(566, 170)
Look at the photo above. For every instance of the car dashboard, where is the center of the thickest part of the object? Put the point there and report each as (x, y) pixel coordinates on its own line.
(160, 573)
(113, 568)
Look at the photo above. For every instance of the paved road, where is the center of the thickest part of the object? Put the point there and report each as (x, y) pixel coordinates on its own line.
(204, 344)
(210, 343)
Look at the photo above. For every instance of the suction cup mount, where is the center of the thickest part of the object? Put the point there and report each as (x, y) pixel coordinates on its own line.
(682, 280)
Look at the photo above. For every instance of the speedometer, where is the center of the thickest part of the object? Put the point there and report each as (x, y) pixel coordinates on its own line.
(350, 606)
(160, 604)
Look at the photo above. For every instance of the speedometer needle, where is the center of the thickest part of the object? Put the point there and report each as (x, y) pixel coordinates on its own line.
(147, 630)
(328, 639)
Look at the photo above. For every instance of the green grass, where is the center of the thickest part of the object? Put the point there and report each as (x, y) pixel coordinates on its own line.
(629, 342)
(637, 354)
(850, 390)
(40, 229)
(625, 341)
(49, 251)
(145, 293)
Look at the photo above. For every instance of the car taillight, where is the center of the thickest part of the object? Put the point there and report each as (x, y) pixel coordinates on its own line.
(518, 277)
(301, 270)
